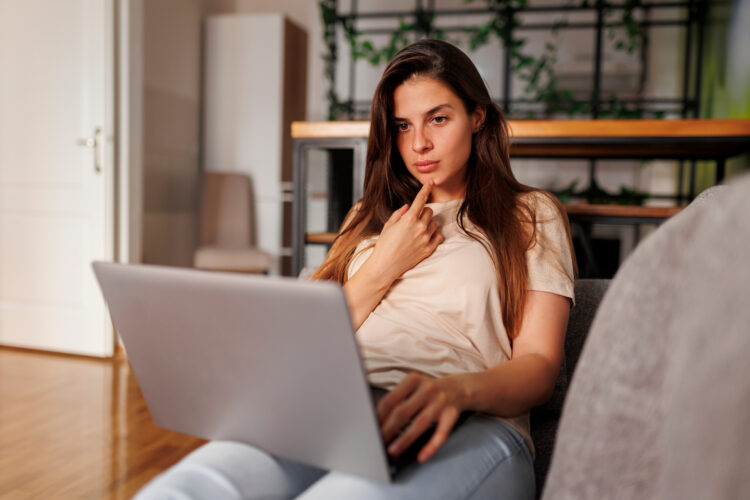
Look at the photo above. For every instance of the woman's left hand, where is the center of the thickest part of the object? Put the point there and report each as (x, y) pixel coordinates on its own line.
(414, 405)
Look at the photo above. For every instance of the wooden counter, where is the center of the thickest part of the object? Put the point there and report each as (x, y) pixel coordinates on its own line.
(674, 139)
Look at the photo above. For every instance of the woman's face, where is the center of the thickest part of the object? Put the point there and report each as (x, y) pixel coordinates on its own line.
(434, 134)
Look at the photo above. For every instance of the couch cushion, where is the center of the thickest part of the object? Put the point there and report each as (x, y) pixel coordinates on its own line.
(675, 297)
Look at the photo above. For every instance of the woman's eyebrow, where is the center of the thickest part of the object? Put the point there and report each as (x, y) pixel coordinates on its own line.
(426, 113)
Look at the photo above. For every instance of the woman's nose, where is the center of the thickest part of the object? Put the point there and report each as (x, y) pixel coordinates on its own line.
(420, 141)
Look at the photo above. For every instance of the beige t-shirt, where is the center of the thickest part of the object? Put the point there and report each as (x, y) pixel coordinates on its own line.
(443, 316)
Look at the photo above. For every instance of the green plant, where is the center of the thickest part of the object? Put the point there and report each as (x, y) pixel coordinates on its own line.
(594, 193)
(329, 18)
(634, 36)
(537, 72)
(365, 49)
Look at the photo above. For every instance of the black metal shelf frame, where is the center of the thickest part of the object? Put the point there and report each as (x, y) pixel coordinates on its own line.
(689, 14)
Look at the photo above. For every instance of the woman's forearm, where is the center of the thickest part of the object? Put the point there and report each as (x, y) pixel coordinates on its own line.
(364, 291)
(511, 388)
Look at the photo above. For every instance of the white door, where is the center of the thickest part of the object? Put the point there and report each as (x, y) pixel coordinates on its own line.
(56, 172)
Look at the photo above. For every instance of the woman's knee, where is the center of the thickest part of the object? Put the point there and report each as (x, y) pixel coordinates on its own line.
(229, 470)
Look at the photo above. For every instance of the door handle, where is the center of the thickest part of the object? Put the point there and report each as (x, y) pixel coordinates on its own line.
(96, 144)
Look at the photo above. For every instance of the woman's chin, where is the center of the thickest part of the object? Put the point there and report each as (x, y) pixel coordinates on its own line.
(427, 178)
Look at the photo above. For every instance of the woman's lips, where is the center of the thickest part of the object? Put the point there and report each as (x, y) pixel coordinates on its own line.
(426, 166)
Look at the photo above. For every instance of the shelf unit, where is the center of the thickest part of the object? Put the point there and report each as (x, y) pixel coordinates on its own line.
(594, 20)
(688, 15)
(715, 140)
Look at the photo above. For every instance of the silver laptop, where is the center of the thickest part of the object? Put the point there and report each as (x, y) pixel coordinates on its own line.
(272, 362)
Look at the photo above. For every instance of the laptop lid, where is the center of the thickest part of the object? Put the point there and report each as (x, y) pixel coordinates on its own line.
(272, 362)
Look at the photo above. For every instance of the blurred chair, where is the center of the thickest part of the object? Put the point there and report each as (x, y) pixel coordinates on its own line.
(226, 226)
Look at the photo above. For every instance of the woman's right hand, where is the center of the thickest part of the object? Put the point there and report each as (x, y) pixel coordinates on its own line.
(407, 238)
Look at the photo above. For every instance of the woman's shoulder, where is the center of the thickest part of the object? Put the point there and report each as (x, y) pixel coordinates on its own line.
(351, 214)
(541, 204)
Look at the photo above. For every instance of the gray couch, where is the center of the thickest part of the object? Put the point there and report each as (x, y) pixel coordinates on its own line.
(545, 418)
(659, 403)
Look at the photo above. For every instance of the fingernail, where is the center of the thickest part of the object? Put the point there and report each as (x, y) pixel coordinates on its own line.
(393, 449)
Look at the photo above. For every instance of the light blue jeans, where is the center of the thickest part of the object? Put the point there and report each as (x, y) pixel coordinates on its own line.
(483, 459)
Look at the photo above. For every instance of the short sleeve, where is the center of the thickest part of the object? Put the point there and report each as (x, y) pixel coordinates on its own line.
(549, 260)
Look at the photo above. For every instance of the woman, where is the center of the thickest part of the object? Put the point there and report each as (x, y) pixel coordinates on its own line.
(459, 281)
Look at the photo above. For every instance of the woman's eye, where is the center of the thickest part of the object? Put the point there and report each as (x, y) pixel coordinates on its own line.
(440, 119)
(402, 127)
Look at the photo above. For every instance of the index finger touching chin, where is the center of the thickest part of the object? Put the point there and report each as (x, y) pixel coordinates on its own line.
(422, 196)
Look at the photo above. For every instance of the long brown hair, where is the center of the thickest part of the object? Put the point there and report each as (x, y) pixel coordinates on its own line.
(493, 203)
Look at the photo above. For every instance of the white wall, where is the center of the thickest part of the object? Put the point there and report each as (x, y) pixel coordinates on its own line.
(129, 142)
(304, 13)
(171, 125)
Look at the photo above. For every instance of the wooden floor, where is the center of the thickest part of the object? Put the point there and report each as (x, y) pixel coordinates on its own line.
(76, 428)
